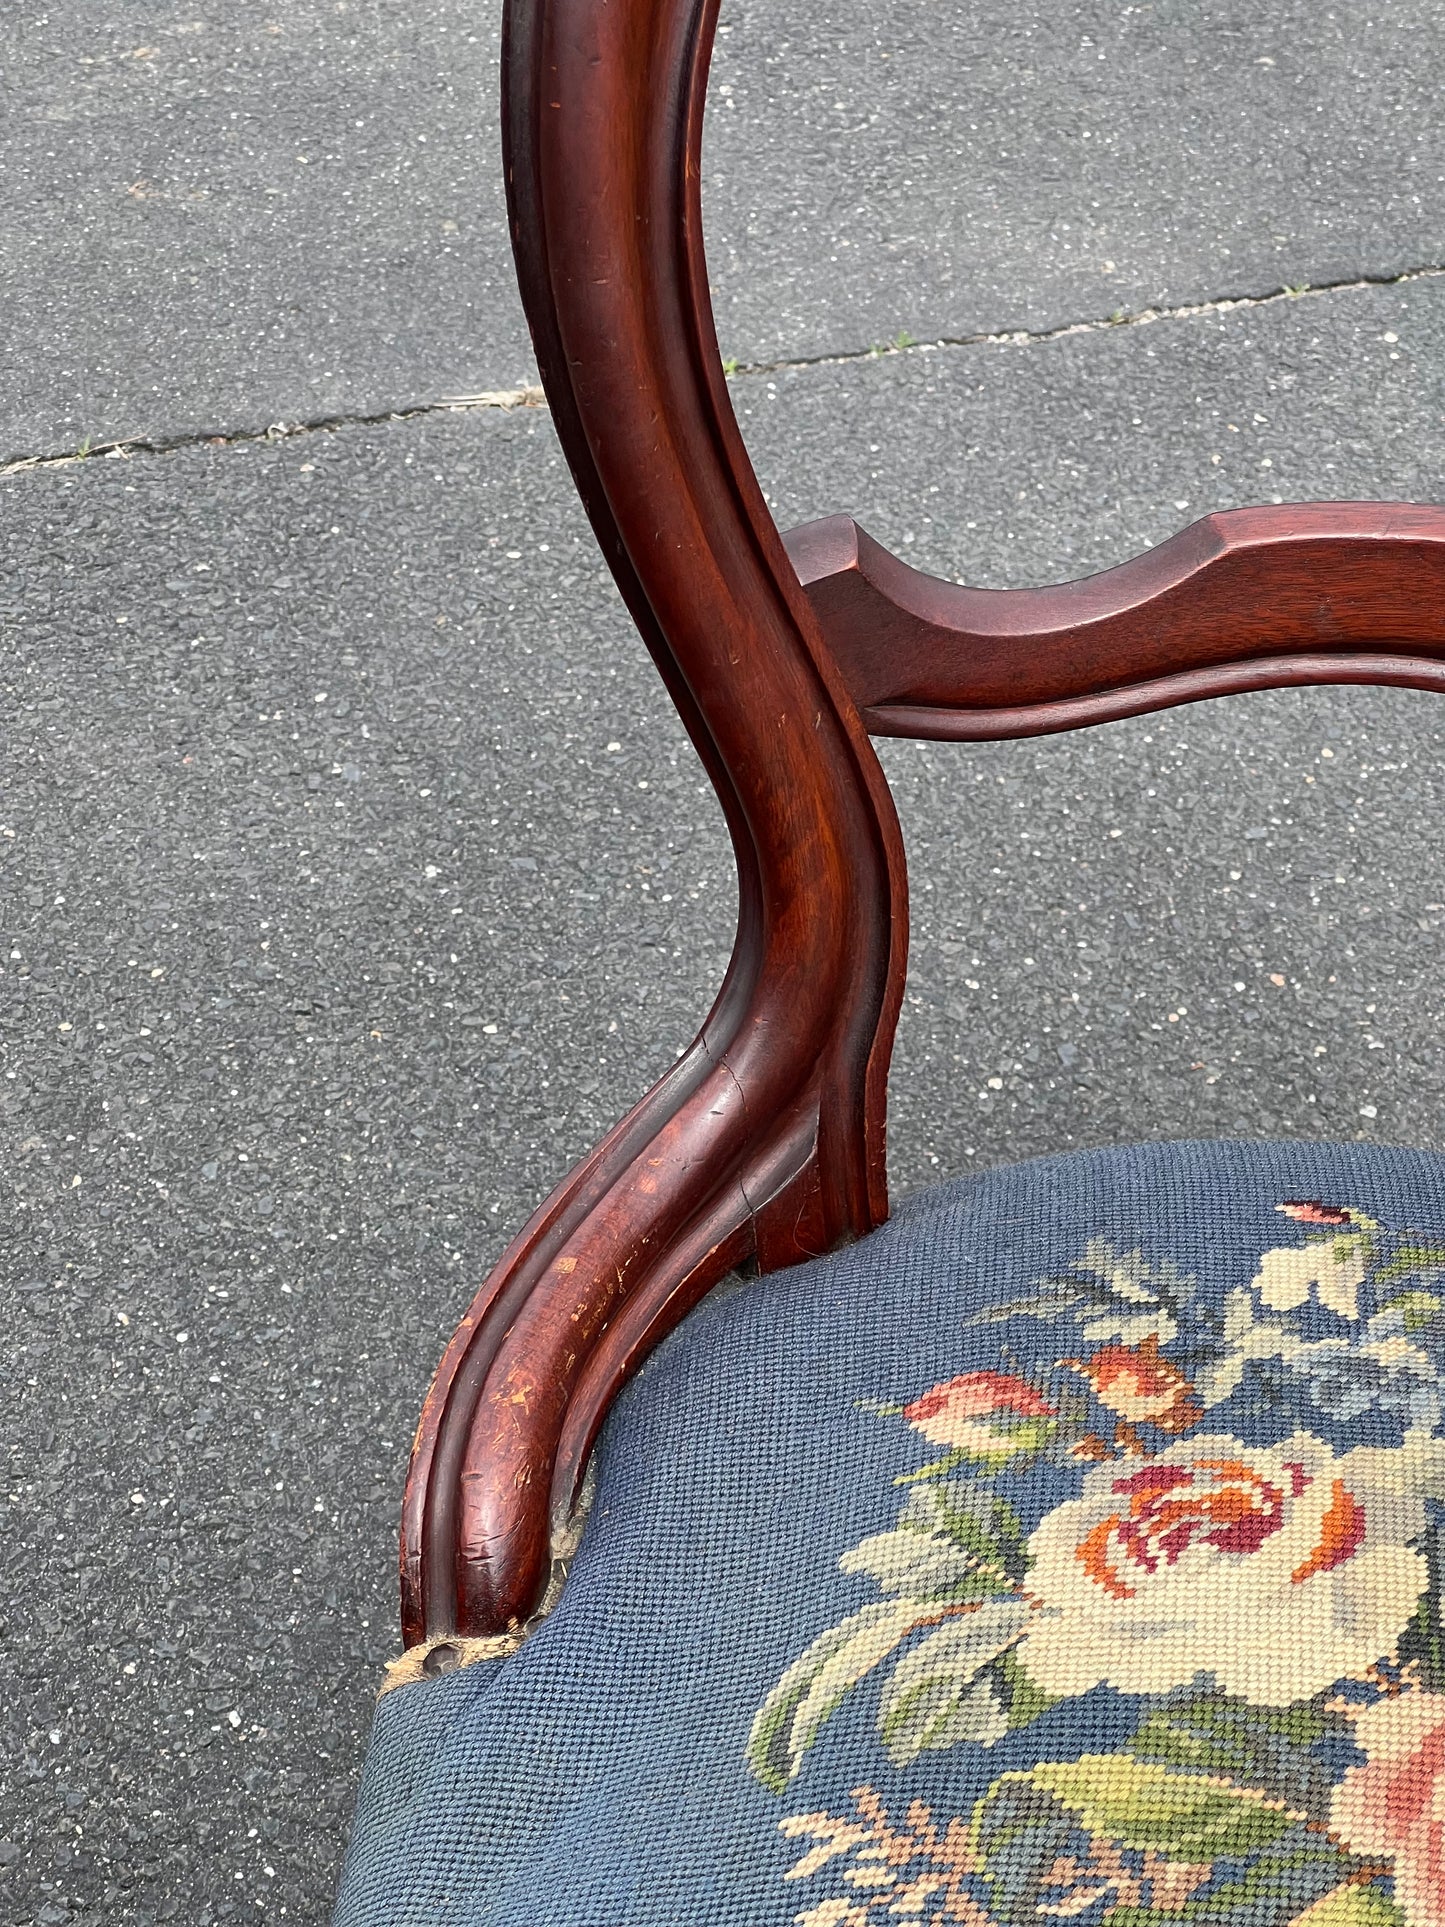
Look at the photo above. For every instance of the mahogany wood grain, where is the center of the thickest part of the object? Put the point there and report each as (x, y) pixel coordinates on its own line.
(765, 1140)
(1247, 599)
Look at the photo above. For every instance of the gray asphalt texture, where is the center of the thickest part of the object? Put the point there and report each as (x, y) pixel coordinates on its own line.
(359, 874)
(228, 218)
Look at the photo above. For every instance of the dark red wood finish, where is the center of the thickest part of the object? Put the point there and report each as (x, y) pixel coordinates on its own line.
(765, 1140)
(1326, 592)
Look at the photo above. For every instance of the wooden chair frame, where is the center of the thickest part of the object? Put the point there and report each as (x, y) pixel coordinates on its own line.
(765, 1141)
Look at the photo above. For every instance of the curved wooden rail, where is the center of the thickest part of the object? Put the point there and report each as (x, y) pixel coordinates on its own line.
(766, 1139)
(1343, 592)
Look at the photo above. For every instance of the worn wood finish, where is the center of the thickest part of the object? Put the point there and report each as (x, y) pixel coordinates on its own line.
(1343, 592)
(766, 1139)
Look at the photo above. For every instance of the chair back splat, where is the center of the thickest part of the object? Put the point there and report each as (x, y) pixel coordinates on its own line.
(765, 1141)
(1319, 592)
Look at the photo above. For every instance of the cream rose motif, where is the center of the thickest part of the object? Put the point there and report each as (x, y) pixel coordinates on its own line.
(1277, 1569)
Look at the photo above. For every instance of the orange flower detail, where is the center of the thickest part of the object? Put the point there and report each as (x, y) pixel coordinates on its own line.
(1222, 1502)
(1140, 1385)
(1277, 1569)
(1341, 1531)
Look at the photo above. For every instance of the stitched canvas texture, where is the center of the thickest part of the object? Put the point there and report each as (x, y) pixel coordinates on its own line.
(1069, 1550)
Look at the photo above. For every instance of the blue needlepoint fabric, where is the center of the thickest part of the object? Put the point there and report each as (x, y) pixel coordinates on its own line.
(1069, 1550)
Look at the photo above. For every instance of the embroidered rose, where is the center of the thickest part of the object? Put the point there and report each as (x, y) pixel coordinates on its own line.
(988, 1415)
(1140, 1385)
(1395, 1803)
(1278, 1569)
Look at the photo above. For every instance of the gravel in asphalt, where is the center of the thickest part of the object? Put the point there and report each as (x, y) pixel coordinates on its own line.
(223, 219)
(226, 217)
(947, 171)
(362, 876)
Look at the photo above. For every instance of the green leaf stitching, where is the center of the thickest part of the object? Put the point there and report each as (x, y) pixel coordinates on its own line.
(792, 1715)
(1138, 1804)
(936, 1699)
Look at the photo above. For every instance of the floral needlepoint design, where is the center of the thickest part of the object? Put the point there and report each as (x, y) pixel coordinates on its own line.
(1279, 1570)
(1394, 1805)
(1180, 1583)
(1135, 1382)
(1333, 1270)
(897, 1871)
(983, 1415)
(1315, 1213)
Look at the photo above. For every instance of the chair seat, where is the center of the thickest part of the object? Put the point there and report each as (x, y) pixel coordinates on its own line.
(1067, 1550)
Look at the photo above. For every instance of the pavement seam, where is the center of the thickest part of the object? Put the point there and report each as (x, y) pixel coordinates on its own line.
(1142, 317)
(126, 446)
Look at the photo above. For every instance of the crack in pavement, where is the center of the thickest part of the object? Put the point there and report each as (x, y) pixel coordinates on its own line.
(126, 446)
(1026, 337)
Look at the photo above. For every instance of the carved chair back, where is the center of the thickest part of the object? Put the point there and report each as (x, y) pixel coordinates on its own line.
(764, 1143)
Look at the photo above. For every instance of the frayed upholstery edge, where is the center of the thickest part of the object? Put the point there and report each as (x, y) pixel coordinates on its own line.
(448, 1653)
(434, 1658)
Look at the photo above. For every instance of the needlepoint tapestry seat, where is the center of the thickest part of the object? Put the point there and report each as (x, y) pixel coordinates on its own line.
(1069, 1549)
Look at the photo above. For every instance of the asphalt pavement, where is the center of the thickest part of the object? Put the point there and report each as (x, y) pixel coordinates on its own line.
(359, 875)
